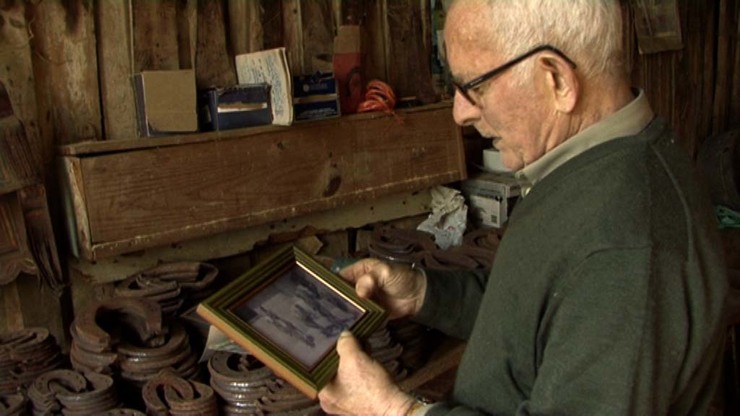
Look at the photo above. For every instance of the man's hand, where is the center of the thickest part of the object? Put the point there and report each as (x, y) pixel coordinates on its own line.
(362, 386)
(399, 289)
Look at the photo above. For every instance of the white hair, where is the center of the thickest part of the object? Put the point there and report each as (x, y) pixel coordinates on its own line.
(589, 32)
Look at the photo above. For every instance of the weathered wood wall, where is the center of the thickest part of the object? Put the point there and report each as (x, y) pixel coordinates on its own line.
(67, 64)
(697, 88)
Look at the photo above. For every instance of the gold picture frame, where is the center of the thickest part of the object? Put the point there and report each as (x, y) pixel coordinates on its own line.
(288, 312)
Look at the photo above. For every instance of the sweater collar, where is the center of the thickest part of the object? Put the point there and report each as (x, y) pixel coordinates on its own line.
(627, 121)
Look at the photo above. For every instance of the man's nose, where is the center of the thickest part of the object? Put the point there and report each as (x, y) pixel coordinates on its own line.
(463, 111)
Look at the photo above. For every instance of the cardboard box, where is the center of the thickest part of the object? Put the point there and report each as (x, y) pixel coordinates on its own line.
(240, 106)
(315, 96)
(490, 197)
(165, 102)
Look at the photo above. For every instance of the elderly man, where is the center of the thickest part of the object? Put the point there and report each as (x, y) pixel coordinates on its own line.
(607, 291)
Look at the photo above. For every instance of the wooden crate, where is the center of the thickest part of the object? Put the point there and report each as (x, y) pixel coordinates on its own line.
(124, 196)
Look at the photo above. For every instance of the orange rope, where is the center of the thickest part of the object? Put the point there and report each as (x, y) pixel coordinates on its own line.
(379, 96)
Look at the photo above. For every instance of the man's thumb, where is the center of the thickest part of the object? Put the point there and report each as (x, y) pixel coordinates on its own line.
(347, 343)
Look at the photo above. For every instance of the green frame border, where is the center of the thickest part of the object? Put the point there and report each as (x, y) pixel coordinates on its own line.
(216, 310)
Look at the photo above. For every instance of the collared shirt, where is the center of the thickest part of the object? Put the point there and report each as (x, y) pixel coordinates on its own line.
(627, 121)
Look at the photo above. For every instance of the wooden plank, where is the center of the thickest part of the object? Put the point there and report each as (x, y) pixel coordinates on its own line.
(318, 28)
(214, 65)
(78, 224)
(187, 32)
(293, 35)
(39, 307)
(155, 35)
(13, 315)
(115, 62)
(408, 54)
(90, 148)
(726, 90)
(232, 243)
(66, 68)
(272, 23)
(734, 111)
(695, 74)
(16, 74)
(15, 257)
(373, 22)
(146, 198)
(245, 26)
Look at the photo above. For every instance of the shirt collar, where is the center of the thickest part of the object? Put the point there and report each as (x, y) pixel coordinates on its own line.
(627, 121)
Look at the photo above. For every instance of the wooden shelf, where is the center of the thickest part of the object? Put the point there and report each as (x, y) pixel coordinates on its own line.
(126, 196)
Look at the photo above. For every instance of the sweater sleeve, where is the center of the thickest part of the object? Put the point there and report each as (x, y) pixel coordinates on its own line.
(619, 335)
(614, 339)
(451, 301)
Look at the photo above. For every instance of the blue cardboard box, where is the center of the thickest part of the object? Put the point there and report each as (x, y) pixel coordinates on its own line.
(243, 105)
(315, 97)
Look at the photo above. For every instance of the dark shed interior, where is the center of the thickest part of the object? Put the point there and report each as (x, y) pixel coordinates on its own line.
(87, 206)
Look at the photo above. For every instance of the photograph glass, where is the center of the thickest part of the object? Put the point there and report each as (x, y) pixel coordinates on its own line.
(299, 314)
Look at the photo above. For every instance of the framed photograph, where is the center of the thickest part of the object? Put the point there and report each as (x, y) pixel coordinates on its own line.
(288, 312)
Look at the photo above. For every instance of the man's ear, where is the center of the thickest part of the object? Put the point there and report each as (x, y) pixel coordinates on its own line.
(561, 82)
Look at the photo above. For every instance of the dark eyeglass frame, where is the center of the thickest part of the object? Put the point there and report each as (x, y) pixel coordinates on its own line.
(464, 88)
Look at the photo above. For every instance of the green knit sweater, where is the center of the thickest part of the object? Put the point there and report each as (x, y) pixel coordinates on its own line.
(605, 298)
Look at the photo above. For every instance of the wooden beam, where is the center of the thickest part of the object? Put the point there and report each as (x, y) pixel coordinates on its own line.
(272, 23)
(317, 23)
(66, 68)
(408, 52)
(236, 242)
(245, 26)
(374, 37)
(16, 74)
(155, 30)
(187, 32)
(115, 61)
(214, 65)
(293, 35)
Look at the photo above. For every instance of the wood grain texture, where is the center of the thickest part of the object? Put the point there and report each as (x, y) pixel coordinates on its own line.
(241, 241)
(408, 54)
(187, 32)
(318, 25)
(680, 84)
(144, 198)
(78, 225)
(245, 26)
(113, 23)
(18, 166)
(726, 109)
(155, 29)
(213, 62)
(15, 257)
(66, 69)
(293, 35)
(374, 40)
(16, 74)
(272, 23)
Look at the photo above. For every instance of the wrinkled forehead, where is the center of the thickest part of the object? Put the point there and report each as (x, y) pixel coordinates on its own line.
(467, 38)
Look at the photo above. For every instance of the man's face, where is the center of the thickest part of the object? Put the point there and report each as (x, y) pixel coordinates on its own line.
(511, 115)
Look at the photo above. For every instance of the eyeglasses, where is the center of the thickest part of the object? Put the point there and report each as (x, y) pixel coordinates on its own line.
(464, 89)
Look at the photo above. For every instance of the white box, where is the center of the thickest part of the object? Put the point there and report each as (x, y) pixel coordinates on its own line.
(490, 197)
